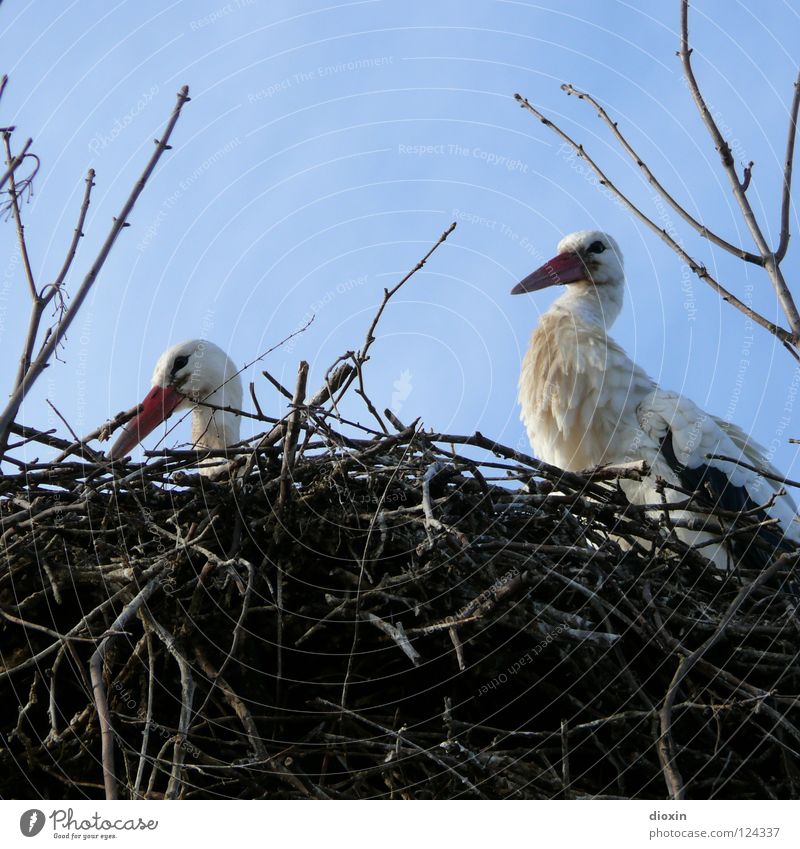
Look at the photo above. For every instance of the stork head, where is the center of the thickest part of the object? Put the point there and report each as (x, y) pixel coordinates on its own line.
(186, 374)
(586, 258)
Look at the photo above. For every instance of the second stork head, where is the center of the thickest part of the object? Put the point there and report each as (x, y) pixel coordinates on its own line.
(195, 374)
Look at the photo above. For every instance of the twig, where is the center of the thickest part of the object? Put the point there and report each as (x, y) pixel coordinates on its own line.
(362, 355)
(148, 716)
(771, 261)
(763, 472)
(41, 361)
(15, 162)
(14, 202)
(292, 432)
(277, 384)
(666, 746)
(405, 741)
(786, 199)
(697, 268)
(187, 697)
(99, 689)
(77, 235)
(397, 633)
(651, 178)
(103, 432)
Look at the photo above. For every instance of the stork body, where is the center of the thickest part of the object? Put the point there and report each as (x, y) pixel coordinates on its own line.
(196, 375)
(585, 403)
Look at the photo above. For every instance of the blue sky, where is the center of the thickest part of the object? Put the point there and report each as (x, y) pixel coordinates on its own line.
(327, 146)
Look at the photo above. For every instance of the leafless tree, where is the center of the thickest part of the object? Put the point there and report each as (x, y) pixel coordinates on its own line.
(765, 256)
(33, 361)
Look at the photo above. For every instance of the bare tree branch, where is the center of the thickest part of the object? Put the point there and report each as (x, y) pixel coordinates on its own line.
(666, 748)
(14, 204)
(771, 261)
(15, 162)
(654, 182)
(49, 346)
(99, 689)
(361, 356)
(786, 200)
(698, 268)
(41, 299)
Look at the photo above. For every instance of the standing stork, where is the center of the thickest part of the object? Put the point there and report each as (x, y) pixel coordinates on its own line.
(585, 403)
(196, 375)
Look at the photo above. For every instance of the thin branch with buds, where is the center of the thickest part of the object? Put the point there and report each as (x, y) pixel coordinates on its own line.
(770, 259)
(54, 337)
(698, 268)
(763, 256)
(786, 200)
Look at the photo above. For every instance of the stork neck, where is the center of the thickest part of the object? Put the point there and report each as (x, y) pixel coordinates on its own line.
(590, 304)
(214, 429)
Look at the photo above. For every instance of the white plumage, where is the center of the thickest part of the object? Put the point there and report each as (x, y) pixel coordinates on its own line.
(585, 403)
(196, 375)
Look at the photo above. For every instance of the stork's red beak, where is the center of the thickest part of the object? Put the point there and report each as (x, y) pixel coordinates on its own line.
(564, 268)
(158, 405)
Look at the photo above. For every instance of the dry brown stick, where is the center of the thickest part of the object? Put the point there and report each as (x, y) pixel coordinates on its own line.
(666, 747)
(42, 359)
(459, 648)
(389, 293)
(251, 729)
(363, 567)
(332, 384)
(763, 472)
(771, 263)
(786, 200)
(254, 399)
(292, 432)
(652, 179)
(397, 634)
(148, 716)
(565, 777)
(362, 393)
(362, 355)
(334, 380)
(14, 204)
(102, 607)
(41, 299)
(30, 434)
(99, 688)
(277, 384)
(237, 632)
(697, 268)
(102, 433)
(77, 235)
(91, 453)
(65, 638)
(187, 697)
(399, 737)
(15, 162)
(477, 439)
(248, 365)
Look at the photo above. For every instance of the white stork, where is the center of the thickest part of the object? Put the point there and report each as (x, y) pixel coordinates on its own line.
(585, 403)
(195, 374)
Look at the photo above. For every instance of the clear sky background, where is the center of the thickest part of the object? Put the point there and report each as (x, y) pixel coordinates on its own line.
(326, 147)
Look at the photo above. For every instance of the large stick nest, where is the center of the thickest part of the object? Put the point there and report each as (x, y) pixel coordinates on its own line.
(406, 615)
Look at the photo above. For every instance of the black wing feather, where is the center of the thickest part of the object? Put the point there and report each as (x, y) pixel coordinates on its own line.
(717, 491)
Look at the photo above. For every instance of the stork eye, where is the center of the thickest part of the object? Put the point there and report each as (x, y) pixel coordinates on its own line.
(180, 362)
(596, 247)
